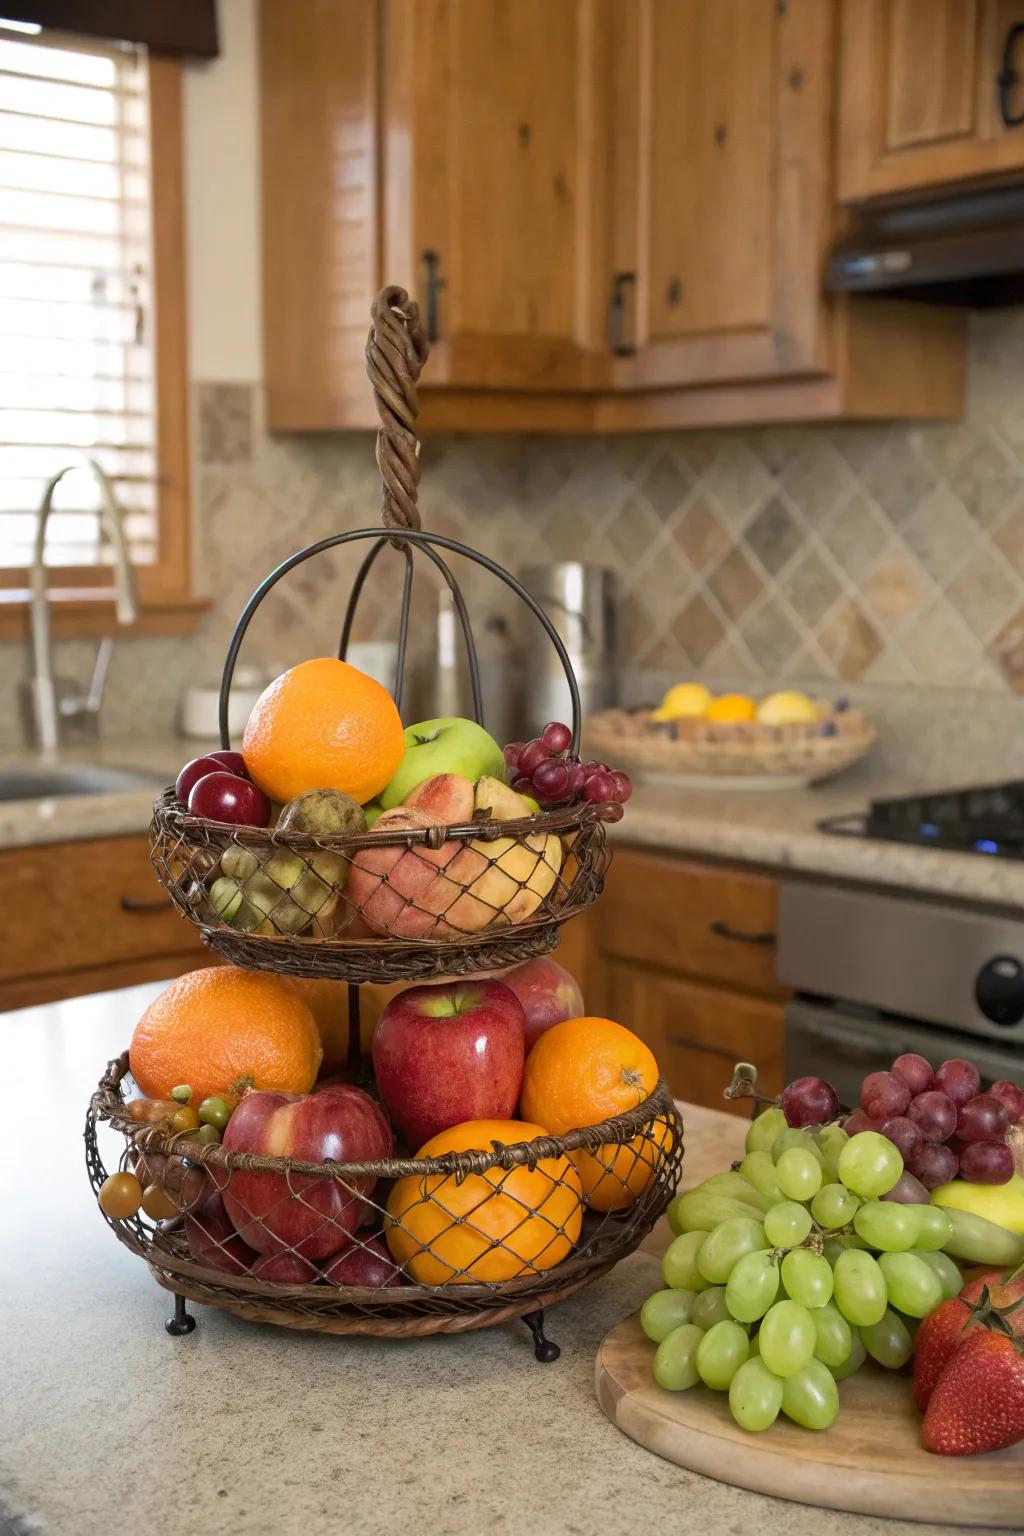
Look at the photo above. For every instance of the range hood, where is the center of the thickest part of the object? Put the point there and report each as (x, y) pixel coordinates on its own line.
(966, 250)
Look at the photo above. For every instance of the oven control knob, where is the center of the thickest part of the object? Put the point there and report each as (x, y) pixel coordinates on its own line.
(999, 990)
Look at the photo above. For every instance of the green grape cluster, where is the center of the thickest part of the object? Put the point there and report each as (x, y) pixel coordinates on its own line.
(788, 1272)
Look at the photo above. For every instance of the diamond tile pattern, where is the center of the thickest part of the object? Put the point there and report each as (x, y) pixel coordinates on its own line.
(892, 552)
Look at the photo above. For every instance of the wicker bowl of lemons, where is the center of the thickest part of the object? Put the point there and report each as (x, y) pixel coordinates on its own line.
(785, 740)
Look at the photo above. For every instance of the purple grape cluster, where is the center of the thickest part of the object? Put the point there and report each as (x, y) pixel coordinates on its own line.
(941, 1121)
(545, 769)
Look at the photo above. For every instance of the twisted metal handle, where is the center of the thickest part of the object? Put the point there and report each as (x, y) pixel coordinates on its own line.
(396, 350)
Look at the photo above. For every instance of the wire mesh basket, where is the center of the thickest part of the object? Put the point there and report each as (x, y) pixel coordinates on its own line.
(393, 1246)
(447, 1244)
(414, 898)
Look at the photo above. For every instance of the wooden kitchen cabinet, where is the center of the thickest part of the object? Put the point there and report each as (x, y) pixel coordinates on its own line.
(720, 183)
(614, 217)
(698, 1032)
(919, 94)
(683, 953)
(86, 916)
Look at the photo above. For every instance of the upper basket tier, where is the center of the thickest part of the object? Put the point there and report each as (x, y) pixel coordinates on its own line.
(399, 903)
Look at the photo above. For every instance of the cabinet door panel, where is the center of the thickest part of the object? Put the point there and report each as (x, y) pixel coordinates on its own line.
(932, 63)
(495, 113)
(71, 906)
(918, 104)
(712, 73)
(720, 187)
(698, 1033)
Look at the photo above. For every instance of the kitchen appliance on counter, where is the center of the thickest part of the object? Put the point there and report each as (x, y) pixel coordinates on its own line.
(988, 820)
(580, 602)
(879, 975)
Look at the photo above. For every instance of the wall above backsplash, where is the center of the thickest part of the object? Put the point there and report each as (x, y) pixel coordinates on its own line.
(889, 555)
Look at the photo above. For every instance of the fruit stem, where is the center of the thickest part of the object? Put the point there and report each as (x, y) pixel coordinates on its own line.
(744, 1085)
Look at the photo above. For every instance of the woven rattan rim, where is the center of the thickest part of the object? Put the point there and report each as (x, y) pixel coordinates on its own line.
(815, 756)
(169, 812)
(108, 1102)
(414, 1327)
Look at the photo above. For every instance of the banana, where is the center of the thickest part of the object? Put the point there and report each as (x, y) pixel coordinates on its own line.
(981, 1242)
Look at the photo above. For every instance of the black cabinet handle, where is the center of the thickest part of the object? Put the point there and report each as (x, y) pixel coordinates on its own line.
(623, 284)
(723, 931)
(434, 282)
(158, 904)
(1008, 77)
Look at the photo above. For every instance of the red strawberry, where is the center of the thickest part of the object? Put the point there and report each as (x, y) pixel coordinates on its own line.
(936, 1342)
(978, 1403)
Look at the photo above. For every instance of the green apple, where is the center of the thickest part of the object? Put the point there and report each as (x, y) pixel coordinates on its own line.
(449, 745)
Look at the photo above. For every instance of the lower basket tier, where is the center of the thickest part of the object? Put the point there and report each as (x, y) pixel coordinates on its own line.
(395, 1247)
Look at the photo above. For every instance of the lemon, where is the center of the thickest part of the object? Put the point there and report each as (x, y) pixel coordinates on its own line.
(686, 701)
(787, 709)
(730, 708)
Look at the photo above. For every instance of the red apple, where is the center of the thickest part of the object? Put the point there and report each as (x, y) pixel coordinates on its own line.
(442, 1055)
(223, 796)
(234, 762)
(402, 891)
(312, 1217)
(370, 1264)
(192, 772)
(285, 1269)
(548, 993)
(212, 1239)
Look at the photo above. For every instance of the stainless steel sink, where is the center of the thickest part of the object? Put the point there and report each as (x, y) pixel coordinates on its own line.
(46, 779)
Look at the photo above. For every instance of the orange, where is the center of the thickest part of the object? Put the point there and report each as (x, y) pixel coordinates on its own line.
(221, 1030)
(731, 709)
(323, 725)
(494, 1225)
(584, 1071)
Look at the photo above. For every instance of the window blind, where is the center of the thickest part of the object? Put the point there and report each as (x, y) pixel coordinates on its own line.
(76, 322)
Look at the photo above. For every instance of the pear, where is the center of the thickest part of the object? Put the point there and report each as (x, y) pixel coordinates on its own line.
(504, 804)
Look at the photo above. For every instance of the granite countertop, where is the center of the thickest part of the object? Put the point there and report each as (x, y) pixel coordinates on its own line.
(776, 829)
(108, 1424)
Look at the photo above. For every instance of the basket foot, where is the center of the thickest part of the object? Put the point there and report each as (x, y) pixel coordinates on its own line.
(182, 1322)
(545, 1351)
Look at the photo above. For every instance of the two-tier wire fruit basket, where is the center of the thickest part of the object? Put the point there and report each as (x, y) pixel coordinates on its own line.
(474, 1236)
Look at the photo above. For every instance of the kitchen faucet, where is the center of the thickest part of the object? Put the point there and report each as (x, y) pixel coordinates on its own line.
(48, 706)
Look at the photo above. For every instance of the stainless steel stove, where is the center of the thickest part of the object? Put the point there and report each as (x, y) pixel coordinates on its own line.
(877, 975)
(987, 820)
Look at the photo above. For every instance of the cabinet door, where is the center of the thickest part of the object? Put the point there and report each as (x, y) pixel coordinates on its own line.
(720, 187)
(494, 162)
(698, 1033)
(919, 97)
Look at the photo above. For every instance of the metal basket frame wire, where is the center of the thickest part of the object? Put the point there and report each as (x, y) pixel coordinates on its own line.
(423, 541)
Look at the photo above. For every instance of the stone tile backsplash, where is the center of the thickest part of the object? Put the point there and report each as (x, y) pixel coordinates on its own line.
(879, 554)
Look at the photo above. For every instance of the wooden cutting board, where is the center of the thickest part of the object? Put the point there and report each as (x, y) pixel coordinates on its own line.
(870, 1461)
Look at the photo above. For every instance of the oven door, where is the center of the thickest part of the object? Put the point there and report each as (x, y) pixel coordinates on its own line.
(843, 1046)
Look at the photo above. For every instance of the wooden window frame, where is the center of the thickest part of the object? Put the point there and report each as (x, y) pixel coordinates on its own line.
(80, 600)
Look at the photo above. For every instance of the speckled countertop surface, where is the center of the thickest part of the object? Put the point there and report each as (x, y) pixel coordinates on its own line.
(108, 1425)
(777, 829)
